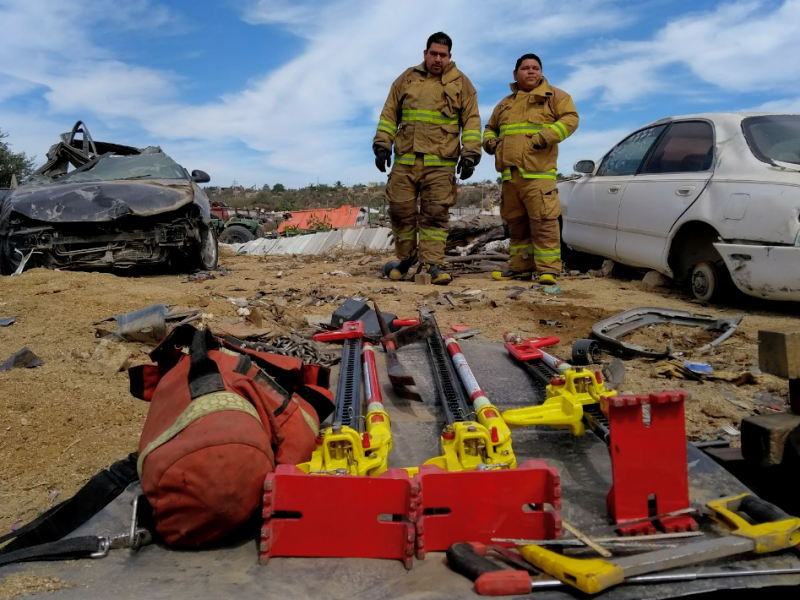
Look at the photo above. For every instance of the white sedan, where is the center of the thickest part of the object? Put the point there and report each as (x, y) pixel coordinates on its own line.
(703, 199)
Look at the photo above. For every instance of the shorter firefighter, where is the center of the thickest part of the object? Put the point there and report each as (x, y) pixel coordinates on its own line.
(523, 134)
(431, 118)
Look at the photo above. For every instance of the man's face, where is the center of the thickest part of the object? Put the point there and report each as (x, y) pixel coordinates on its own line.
(437, 57)
(528, 74)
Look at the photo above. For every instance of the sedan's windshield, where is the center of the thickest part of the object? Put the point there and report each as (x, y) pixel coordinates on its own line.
(774, 137)
(155, 165)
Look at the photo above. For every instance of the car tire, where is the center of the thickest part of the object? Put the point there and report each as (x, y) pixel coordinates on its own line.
(236, 234)
(259, 231)
(709, 281)
(208, 251)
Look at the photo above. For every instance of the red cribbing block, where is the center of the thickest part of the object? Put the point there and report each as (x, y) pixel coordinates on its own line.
(530, 349)
(476, 506)
(459, 327)
(338, 515)
(648, 460)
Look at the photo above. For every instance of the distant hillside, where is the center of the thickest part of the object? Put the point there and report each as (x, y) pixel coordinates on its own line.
(319, 196)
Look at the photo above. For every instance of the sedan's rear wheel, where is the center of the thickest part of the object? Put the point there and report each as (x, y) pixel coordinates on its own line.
(709, 281)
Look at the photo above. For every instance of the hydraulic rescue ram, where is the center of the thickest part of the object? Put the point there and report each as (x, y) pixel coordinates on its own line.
(342, 448)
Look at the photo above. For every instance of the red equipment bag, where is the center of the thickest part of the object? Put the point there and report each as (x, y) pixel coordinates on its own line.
(220, 418)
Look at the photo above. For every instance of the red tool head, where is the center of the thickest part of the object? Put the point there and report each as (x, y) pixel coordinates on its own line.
(350, 330)
(525, 350)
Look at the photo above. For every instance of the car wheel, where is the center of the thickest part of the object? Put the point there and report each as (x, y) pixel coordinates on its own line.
(709, 280)
(236, 234)
(208, 250)
(260, 231)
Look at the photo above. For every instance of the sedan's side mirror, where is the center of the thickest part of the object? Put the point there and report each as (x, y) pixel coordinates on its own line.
(200, 177)
(585, 167)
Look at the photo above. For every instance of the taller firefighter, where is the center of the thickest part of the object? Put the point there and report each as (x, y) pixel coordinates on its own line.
(523, 133)
(431, 117)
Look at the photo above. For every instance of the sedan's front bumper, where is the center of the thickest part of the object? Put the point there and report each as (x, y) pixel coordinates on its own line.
(771, 272)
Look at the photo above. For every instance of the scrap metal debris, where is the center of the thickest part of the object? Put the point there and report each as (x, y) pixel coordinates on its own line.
(292, 345)
(147, 325)
(611, 331)
(7, 322)
(22, 358)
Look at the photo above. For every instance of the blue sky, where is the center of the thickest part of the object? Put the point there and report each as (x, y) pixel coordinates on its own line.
(268, 91)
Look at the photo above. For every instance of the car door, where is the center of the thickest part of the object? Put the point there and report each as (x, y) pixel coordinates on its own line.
(591, 217)
(673, 177)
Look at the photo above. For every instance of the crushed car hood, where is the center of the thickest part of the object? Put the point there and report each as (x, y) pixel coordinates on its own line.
(98, 201)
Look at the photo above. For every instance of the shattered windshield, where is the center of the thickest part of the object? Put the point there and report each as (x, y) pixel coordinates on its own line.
(155, 165)
(774, 137)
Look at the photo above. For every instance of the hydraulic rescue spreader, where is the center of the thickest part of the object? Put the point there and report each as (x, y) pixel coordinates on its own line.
(343, 448)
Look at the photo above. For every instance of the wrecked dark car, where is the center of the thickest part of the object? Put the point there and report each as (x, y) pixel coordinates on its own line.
(100, 205)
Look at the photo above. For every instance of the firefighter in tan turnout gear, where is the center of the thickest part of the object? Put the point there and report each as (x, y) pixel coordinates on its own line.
(523, 133)
(431, 117)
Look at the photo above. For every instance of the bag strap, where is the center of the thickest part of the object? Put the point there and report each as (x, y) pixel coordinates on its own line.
(77, 547)
(66, 517)
(204, 375)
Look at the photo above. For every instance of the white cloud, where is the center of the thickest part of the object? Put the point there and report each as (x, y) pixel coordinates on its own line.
(739, 47)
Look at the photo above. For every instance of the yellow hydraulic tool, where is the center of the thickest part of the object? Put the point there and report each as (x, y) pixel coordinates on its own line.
(572, 394)
(773, 530)
(467, 444)
(342, 449)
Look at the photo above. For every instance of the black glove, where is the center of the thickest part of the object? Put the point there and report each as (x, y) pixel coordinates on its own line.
(466, 166)
(383, 159)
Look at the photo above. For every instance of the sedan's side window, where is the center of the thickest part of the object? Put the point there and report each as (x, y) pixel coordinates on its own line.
(688, 147)
(626, 157)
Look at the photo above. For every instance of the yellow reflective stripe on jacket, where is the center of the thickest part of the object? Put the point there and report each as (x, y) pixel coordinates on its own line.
(432, 235)
(514, 250)
(405, 159)
(429, 116)
(561, 130)
(516, 128)
(431, 160)
(489, 134)
(551, 174)
(389, 128)
(470, 134)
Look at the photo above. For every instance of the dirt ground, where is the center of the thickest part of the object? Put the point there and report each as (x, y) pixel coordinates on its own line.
(62, 422)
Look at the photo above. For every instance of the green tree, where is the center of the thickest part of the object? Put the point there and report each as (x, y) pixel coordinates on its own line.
(278, 188)
(265, 187)
(13, 163)
(288, 204)
(499, 179)
(339, 185)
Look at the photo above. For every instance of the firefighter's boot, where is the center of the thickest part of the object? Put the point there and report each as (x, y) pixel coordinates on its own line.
(547, 279)
(509, 275)
(397, 269)
(438, 276)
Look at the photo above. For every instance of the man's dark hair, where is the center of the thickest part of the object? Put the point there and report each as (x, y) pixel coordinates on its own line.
(526, 57)
(440, 37)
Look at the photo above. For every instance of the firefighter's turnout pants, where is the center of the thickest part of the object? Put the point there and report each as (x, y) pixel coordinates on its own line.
(531, 208)
(419, 201)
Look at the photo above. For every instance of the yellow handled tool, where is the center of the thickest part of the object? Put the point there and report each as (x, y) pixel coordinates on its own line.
(774, 530)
